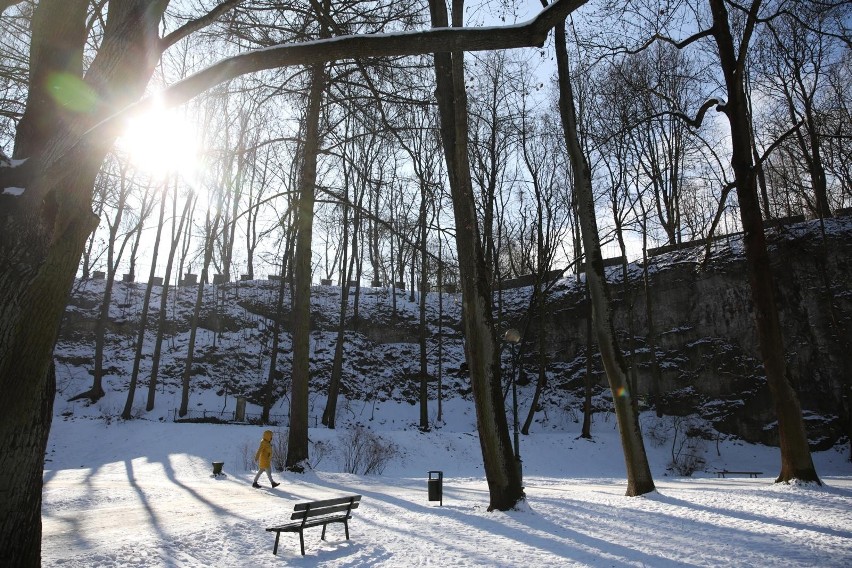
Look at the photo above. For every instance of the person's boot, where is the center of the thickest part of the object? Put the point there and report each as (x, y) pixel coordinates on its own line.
(256, 485)
(275, 484)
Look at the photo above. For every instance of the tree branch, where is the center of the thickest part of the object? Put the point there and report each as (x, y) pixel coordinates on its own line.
(665, 39)
(197, 24)
(693, 122)
(436, 40)
(793, 129)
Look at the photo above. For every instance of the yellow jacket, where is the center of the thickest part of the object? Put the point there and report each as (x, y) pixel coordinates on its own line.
(263, 456)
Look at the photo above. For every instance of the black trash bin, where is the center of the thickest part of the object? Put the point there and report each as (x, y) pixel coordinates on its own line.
(217, 468)
(436, 486)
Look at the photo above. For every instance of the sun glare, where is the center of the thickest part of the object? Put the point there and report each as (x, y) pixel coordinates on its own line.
(162, 142)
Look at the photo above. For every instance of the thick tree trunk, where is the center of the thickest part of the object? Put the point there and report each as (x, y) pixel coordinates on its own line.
(43, 234)
(37, 264)
(501, 468)
(297, 444)
(796, 462)
(639, 480)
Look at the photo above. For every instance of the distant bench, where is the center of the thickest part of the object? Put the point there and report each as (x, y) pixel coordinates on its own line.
(316, 513)
(724, 472)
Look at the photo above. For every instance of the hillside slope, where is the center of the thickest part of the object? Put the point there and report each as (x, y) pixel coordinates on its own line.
(705, 342)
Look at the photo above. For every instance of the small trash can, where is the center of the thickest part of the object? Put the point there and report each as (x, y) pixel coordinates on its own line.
(436, 486)
(217, 468)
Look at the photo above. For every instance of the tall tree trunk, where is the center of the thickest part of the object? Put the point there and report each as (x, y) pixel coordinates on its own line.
(209, 244)
(143, 319)
(656, 374)
(297, 445)
(541, 382)
(639, 480)
(276, 339)
(502, 471)
(286, 278)
(96, 392)
(164, 296)
(796, 462)
(330, 413)
(440, 416)
(586, 431)
(423, 325)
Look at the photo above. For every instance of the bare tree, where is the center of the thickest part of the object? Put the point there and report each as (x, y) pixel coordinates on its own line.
(501, 468)
(174, 241)
(796, 56)
(796, 462)
(639, 480)
(115, 252)
(127, 414)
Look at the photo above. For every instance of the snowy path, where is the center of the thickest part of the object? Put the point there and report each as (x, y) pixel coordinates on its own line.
(102, 520)
(144, 496)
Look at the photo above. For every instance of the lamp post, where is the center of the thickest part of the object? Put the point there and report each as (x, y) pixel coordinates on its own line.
(513, 337)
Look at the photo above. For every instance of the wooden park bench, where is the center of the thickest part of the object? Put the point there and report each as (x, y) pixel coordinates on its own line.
(316, 513)
(724, 472)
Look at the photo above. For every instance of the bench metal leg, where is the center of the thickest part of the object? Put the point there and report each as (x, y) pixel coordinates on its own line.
(346, 526)
(275, 548)
(302, 542)
(323, 531)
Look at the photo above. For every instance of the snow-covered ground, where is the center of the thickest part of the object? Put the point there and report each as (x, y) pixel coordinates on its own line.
(142, 493)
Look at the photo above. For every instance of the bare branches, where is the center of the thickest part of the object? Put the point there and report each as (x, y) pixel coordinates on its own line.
(197, 24)
(439, 40)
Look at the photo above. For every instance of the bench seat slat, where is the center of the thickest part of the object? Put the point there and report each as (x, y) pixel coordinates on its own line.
(295, 527)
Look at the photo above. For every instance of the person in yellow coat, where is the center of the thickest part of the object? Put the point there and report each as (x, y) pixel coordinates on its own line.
(263, 457)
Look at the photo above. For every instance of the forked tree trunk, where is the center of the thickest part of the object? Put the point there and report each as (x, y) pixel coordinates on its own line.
(329, 417)
(276, 341)
(209, 243)
(502, 471)
(96, 391)
(796, 462)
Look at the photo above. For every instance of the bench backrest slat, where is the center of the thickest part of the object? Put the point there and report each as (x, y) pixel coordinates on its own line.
(327, 502)
(329, 506)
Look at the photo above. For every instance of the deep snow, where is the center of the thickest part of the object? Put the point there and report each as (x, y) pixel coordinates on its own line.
(142, 493)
